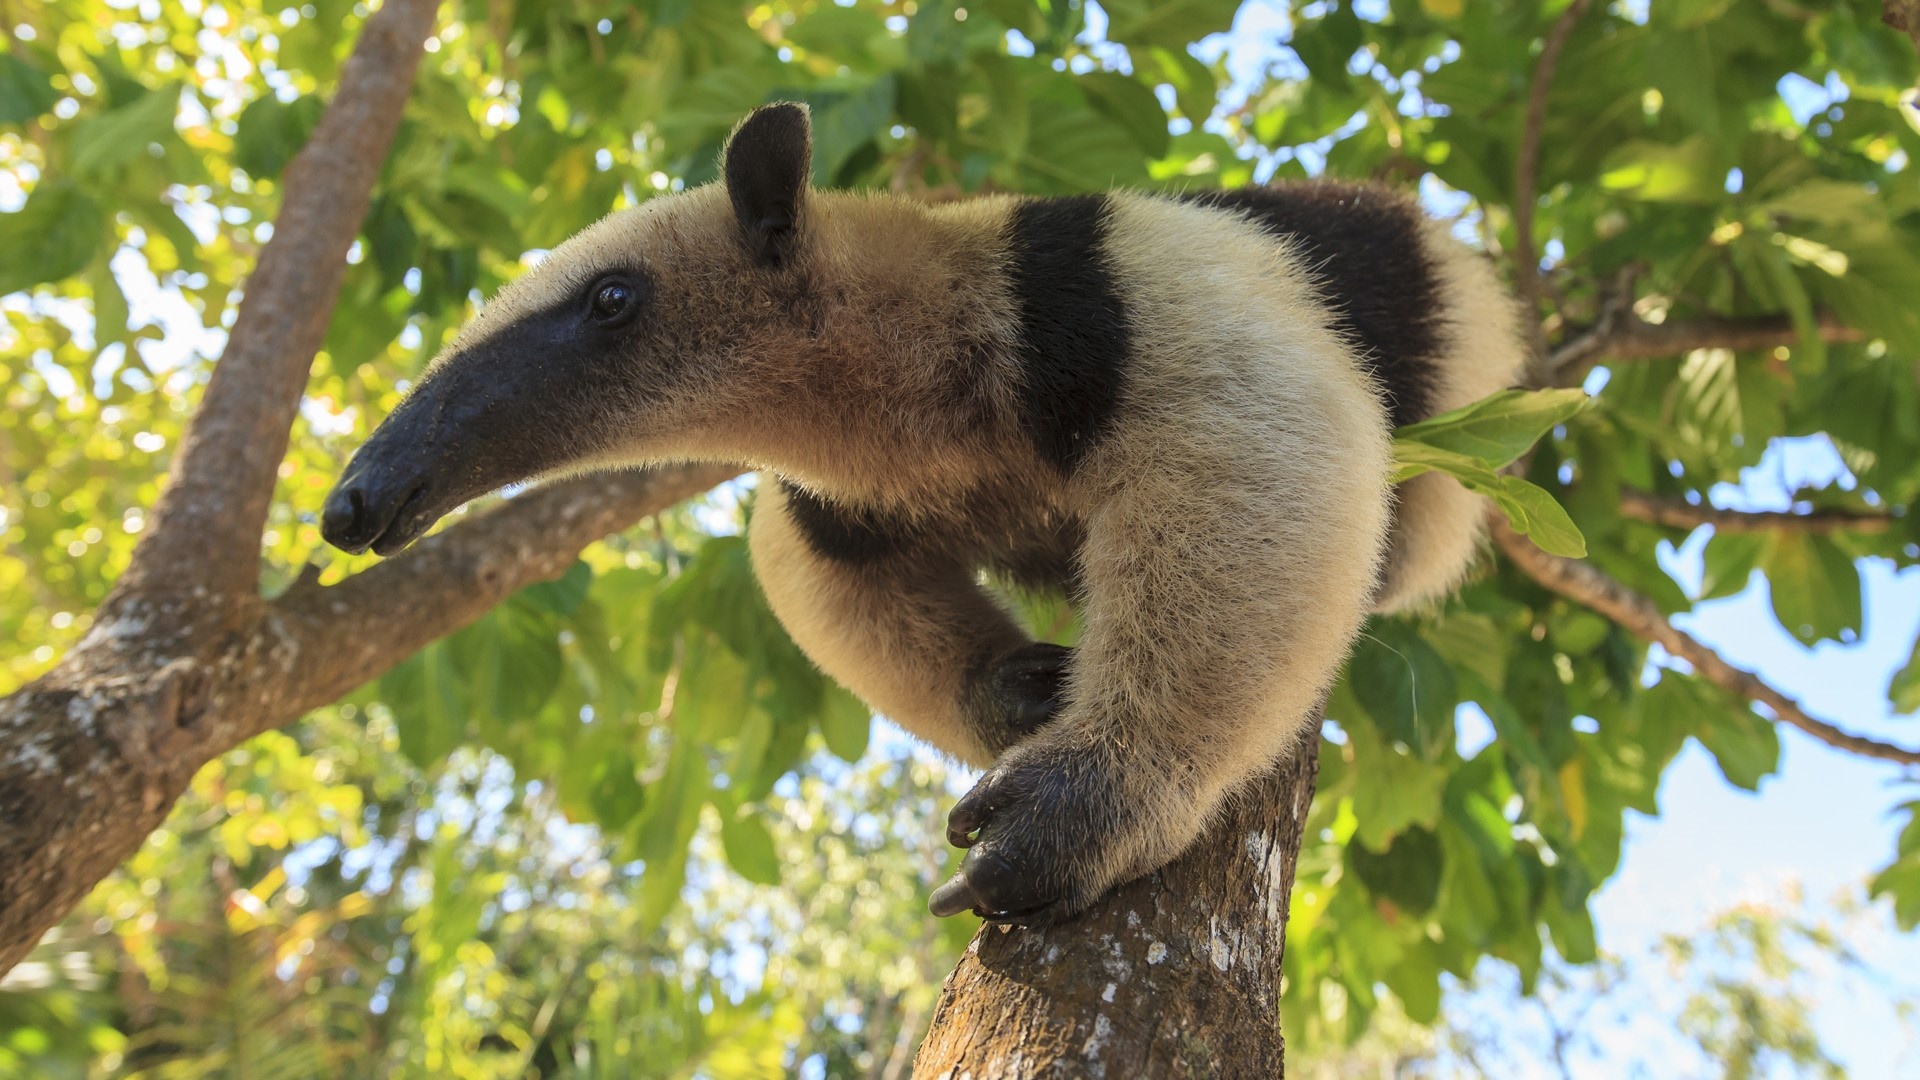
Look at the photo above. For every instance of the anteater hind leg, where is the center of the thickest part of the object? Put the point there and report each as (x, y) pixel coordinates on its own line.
(906, 627)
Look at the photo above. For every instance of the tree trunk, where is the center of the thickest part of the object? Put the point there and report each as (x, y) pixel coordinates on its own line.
(1175, 975)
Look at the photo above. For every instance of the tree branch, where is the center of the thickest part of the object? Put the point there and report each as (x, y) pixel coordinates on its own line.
(1625, 336)
(1527, 173)
(206, 527)
(1584, 583)
(1678, 513)
(356, 630)
(91, 758)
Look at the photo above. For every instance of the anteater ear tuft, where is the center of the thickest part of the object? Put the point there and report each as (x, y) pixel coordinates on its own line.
(766, 166)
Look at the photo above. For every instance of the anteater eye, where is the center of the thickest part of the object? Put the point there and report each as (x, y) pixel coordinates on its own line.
(612, 300)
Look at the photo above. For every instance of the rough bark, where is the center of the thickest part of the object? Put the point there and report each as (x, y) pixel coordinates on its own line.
(1176, 975)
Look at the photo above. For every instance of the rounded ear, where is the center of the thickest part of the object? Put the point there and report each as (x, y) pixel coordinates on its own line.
(766, 165)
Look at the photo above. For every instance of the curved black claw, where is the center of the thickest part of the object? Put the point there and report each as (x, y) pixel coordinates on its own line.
(991, 887)
(974, 810)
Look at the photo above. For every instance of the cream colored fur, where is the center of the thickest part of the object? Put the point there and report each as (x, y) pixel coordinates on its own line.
(1236, 515)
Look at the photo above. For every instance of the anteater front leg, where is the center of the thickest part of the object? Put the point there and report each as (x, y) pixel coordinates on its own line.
(902, 622)
(1224, 579)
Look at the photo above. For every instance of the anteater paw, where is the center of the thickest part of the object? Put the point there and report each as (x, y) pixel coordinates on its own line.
(1046, 835)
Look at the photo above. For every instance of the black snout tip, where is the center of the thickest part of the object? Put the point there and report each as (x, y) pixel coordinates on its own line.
(361, 514)
(344, 521)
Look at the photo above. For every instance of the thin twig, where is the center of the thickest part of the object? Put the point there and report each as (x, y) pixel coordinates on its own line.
(1526, 256)
(1678, 513)
(1626, 336)
(1584, 583)
(1613, 311)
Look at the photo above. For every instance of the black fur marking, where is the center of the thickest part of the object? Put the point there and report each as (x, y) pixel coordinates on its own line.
(767, 161)
(1362, 243)
(1074, 339)
(846, 534)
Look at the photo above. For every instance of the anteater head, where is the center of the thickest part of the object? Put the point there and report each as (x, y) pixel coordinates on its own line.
(635, 340)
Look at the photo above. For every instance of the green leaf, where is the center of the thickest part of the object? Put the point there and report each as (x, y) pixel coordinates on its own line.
(564, 595)
(1730, 560)
(1683, 172)
(1131, 105)
(25, 90)
(844, 123)
(270, 132)
(1072, 148)
(1497, 429)
(105, 142)
(1531, 510)
(750, 848)
(430, 704)
(1814, 585)
(1681, 65)
(1746, 746)
(1415, 980)
(55, 235)
(1391, 790)
(109, 306)
(1405, 686)
(1572, 930)
(1407, 873)
(511, 663)
(1901, 881)
(1193, 83)
(1171, 23)
(1470, 443)
(662, 832)
(846, 723)
(1904, 690)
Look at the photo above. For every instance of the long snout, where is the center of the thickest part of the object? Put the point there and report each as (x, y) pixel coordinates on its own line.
(397, 485)
(477, 424)
(524, 401)
(376, 506)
